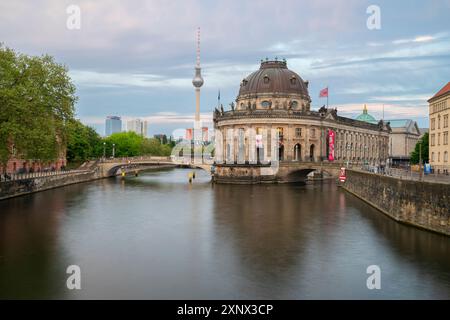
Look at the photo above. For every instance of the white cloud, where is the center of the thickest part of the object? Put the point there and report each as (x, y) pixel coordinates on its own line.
(416, 39)
(407, 97)
(157, 118)
(109, 79)
(391, 111)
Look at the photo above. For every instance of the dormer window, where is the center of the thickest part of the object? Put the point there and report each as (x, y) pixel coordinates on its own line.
(293, 80)
(266, 79)
(244, 82)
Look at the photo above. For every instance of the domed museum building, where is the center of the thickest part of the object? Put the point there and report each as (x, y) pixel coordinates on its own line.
(270, 133)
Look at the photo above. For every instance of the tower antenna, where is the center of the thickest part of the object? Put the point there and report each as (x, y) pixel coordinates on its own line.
(198, 46)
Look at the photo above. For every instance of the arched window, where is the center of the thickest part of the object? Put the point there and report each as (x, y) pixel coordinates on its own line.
(297, 152)
(281, 152)
(311, 152)
(266, 79)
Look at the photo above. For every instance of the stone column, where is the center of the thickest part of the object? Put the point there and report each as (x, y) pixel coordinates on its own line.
(307, 128)
(289, 146)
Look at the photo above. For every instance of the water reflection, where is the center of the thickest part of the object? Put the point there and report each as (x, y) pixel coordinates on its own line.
(157, 236)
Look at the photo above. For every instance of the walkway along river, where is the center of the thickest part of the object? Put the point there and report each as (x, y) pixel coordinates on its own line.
(155, 236)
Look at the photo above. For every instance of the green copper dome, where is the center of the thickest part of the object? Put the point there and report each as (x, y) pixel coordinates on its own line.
(366, 117)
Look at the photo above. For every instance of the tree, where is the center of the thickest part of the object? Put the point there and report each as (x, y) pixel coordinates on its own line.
(414, 159)
(127, 144)
(130, 144)
(83, 142)
(37, 101)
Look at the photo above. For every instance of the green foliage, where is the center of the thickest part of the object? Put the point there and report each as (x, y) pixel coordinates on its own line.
(83, 143)
(37, 101)
(37, 121)
(130, 144)
(415, 154)
(127, 144)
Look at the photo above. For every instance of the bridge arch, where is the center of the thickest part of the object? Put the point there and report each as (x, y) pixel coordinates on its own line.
(300, 173)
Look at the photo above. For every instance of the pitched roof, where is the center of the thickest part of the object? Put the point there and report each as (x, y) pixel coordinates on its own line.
(444, 90)
(407, 125)
(399, 123)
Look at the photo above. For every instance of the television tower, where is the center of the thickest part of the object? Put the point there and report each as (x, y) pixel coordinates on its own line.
(197, 81)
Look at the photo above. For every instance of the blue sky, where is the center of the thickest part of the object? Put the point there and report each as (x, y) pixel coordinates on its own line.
(136, 58)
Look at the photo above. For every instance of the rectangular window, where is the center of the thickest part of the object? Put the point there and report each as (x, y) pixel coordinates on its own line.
(446, 121)
(446, 138)
(432, 140)
(298, 132)
(439, 139)
(280, 131)
(433, 122)
(313, 133)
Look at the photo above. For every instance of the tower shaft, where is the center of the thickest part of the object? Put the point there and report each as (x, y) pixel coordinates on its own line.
(197, 81)
(197, 105)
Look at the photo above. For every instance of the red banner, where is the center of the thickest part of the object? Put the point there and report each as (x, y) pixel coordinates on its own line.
(189, 134)
(323, 93)
(342, 175)
(331, 138)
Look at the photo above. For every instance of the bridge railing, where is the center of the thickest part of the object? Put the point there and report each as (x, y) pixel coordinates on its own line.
(132, 159)
(33, 175)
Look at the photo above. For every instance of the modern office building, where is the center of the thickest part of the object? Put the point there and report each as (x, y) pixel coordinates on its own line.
(161, 137)
(139, 126)
(113, 124)
(204, 134)
(439, 148)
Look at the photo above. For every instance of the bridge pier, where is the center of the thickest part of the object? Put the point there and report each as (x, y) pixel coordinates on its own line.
(287, 171)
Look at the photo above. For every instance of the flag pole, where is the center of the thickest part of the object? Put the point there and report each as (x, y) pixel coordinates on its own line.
(218, 99)
(328, 93)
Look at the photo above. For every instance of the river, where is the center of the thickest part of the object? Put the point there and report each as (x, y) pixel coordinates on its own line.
(158, 237)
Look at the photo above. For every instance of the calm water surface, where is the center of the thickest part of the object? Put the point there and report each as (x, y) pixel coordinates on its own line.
(157, 237)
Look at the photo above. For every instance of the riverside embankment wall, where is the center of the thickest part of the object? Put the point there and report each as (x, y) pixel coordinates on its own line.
(423, 204)
(9, 189)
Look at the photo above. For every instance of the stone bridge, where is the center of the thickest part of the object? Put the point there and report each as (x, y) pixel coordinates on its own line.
(113, 167)
(284, 171)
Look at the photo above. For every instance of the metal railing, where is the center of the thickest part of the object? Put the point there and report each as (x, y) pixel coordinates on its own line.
(131, 159)
(41, 174)
(404, 174)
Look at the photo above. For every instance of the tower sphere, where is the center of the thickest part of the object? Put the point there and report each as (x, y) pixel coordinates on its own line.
(198, 79)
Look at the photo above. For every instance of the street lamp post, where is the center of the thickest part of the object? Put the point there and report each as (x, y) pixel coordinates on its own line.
(104, 150)
(114, 150)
